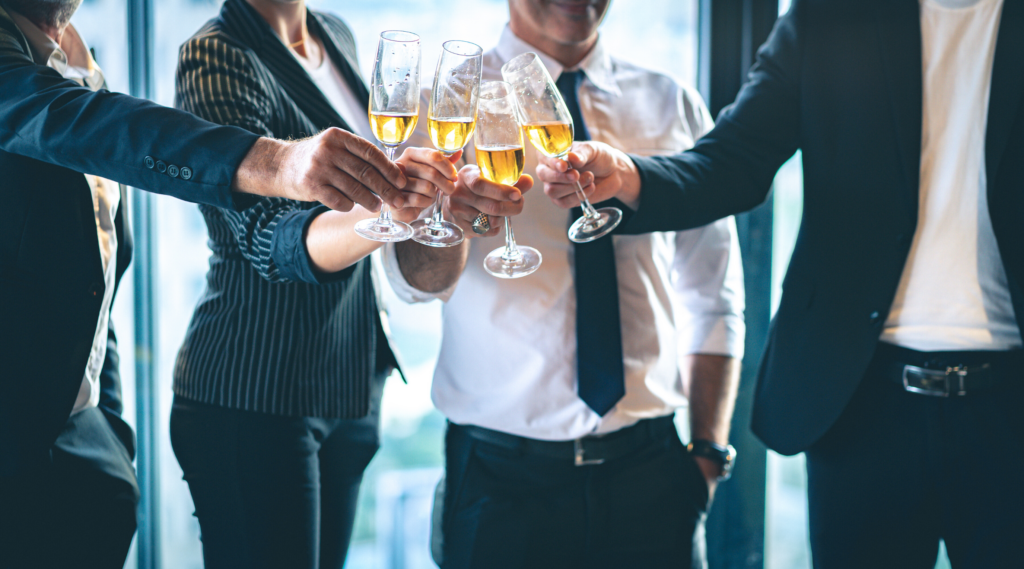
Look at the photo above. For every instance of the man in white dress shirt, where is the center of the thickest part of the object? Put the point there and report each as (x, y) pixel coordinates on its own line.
(538, 475)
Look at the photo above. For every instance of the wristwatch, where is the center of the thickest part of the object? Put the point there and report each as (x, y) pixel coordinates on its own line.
(724, 456)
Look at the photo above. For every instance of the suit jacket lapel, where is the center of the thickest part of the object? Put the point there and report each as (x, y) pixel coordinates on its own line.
(292, 77)
(1007, 87)
(899, 26)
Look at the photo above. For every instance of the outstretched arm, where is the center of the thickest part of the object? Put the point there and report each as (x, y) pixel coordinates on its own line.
(730, 170)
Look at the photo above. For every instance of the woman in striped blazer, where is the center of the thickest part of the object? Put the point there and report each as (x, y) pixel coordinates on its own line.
(278, 382)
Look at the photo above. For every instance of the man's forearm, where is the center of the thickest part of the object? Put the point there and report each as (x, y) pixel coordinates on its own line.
(713, 382)
(431, 269)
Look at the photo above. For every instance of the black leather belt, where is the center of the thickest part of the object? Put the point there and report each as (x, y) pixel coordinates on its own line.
(585, 451)
(945, 374)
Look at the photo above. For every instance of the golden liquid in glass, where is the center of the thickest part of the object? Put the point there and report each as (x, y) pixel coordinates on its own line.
(501, 164)
(393, 129)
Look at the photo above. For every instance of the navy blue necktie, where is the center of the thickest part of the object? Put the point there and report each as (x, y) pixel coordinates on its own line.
(601, 379)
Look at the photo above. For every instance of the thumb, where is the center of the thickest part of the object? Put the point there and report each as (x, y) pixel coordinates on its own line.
(581, 155)
(524, 183)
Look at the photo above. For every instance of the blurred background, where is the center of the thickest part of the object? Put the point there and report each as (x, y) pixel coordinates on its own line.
(392, 530)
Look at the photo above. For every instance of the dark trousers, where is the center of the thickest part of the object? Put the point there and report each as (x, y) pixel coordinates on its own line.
(273, 491)
(76, 507)
(900, 470)
(506, 509)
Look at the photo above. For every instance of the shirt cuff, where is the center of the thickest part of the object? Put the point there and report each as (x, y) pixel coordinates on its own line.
(288, 249)
(715, 335)
(403, 290)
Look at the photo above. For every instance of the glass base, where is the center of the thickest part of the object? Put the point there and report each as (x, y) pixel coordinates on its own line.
(447, 234)
(498, 265)
(584, 230)
(373, 230)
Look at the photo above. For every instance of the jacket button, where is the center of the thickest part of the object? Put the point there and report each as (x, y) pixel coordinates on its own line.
(95, 289)
(149, 162)
(172, 171)
(874, 317)
(186, 173)
(160, 166)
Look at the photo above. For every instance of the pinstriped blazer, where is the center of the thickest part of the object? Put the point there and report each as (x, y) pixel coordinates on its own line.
(270, 334)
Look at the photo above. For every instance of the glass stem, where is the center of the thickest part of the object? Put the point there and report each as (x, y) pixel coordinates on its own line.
(438, 217)
(588, 210)
(384, 218)
(511, 251)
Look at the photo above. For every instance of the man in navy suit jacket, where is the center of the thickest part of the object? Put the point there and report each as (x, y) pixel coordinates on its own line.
(67, 486)
(894, 359)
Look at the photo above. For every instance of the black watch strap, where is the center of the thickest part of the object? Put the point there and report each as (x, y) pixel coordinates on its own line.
(724, 456)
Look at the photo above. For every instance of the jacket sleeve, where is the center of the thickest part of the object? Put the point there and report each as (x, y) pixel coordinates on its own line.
(133, 141)
(217, 82)
(731, 169)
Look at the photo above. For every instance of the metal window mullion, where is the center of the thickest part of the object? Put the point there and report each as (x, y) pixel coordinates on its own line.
(730, 33)
(140, 78)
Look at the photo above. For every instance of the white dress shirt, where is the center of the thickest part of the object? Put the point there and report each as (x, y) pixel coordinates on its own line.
(72, 60)
(331, 83)
(953, 294)
(508, 354)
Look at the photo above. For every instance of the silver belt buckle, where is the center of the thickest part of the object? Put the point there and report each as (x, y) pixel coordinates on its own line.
(578, 453)
(933, 382)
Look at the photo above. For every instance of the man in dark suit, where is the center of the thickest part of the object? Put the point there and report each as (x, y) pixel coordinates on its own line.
(67, 486)
(894, 359)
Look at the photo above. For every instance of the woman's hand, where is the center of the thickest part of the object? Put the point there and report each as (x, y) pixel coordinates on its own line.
(427, 172)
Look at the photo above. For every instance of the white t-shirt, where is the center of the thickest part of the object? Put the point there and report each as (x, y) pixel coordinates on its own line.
(332, 84)
(954, 294)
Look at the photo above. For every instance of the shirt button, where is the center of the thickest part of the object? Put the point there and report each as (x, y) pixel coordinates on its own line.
(874, 317)
(186, 173)
(148, 160)
(160, 166)
(172, 171)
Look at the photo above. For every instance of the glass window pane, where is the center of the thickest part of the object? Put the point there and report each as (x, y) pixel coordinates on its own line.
(180, 276)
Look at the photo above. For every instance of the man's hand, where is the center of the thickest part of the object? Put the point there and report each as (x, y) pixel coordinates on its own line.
(335, 168)
(603, 171)
(427, 171)
(710, 469)
(475, 195)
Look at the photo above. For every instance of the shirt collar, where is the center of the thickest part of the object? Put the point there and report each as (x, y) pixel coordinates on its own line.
(597, 65)
(72, 59)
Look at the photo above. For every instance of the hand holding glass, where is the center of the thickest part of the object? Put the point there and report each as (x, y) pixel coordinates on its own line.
(394, 110)
(452, 116)
(548, 125)
(499, 154)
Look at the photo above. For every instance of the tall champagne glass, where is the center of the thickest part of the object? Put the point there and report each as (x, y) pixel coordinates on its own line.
(394, 110)
(499, 153)
(452, 116)
(548, 125)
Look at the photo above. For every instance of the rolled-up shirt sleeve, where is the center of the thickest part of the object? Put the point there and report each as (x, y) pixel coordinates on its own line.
(403, 290)
(707, 275)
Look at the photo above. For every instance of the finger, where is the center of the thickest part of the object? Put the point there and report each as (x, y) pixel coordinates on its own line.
(374, 157)
(454, 158)
(580, 155)
(431, 175)
(351, 187)
(431, 158)
(419, 193)
(370, 178)
(559, 191)
(524, 184)
(498, 192)
(549, 175)
(332, 198)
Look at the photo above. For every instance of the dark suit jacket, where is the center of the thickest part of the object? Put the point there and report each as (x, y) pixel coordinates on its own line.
(270, 333)
(51, 281)
(840, 80)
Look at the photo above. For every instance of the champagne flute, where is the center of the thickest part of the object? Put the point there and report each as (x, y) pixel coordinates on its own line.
(394, 110)
(500, 156)
(548, 125)
(452, 116)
